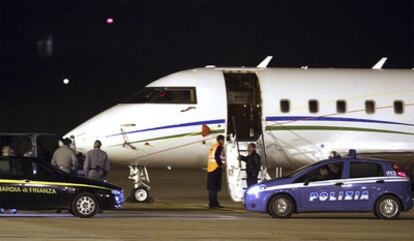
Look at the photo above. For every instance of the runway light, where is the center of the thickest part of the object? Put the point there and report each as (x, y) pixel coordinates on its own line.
(109, 20)
(66, 81)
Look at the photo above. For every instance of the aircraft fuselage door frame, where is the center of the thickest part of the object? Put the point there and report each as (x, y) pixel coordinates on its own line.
(244, 108)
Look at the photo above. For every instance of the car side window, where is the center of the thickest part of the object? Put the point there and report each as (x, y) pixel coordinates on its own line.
(42, 170)
(28, 169)
(22, 168)
(364, 169)
(330, 171)
(5, 168)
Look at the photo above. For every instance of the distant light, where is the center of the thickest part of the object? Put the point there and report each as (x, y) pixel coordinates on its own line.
(66, 81)
(109, 20)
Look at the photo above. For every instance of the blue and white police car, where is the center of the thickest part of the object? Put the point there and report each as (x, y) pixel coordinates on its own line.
(335, 185)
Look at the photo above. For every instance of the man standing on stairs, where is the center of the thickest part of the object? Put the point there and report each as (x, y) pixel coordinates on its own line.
(252, 164)
(215, 166)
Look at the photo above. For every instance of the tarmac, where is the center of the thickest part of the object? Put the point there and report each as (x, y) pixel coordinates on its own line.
(180, 212)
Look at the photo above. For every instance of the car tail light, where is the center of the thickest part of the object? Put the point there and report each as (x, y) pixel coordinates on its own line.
(399, 171)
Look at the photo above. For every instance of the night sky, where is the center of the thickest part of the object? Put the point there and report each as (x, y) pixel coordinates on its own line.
(106, 63)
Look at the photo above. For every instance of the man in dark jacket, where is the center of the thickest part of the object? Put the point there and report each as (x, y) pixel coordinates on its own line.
(252, 164)
(215, 166)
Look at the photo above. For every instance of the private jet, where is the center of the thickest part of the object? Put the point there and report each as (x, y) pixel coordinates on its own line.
(296, 116)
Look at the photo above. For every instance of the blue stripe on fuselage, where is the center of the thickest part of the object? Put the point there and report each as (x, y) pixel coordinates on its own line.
(269, 118)
(325, 118)
(219, 121)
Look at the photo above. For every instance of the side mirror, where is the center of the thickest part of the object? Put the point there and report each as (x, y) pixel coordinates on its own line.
(306, 183)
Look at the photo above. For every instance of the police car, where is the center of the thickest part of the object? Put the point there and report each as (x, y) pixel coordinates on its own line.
(335, 185)
(32, 184)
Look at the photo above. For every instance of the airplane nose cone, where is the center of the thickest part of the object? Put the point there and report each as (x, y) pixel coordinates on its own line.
(79, 140)
(109, 126)
(96, 128)
(84, 136)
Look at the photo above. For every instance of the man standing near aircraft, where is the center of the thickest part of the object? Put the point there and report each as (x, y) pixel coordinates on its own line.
(96, 164)
(253, 164)
(64, 158)
(215, 169)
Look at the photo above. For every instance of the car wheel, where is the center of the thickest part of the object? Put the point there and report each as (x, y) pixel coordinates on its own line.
(140, 195)
(281, 206)
(388, 207)
(85, 205)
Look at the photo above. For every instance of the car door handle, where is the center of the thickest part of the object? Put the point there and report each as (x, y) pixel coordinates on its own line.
(339, 184)
(26, 181)
(380, 181)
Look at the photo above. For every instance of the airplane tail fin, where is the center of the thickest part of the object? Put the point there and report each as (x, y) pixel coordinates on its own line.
(380, 63)
(265, 62)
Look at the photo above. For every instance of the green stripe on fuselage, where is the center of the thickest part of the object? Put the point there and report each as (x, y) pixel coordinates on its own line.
(174, 136)
(332, 128)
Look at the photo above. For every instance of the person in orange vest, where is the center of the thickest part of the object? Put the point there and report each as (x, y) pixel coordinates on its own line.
(215, 166)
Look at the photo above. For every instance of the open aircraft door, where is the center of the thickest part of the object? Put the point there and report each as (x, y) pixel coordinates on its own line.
(244, 126)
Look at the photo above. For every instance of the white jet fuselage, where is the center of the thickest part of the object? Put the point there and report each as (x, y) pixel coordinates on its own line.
(170, 134)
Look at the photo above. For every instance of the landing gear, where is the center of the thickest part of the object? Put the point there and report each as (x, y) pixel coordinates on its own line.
(140, 179)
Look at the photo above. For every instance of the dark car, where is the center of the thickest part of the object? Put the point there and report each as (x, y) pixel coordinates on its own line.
(33, 184)
(336, 185)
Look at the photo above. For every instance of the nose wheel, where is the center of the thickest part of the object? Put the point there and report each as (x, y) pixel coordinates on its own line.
(141, 195)
(140, 178)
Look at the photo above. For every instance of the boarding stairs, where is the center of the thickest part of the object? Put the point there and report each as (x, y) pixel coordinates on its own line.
(236, 169)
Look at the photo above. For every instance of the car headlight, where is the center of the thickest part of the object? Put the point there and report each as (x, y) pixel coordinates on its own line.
(119, 197)
(116, 192)
(256, 189)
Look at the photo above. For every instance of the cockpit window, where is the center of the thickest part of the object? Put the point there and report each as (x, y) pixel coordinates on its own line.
(165, 95)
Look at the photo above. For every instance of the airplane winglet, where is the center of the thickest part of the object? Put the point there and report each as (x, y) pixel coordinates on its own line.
(380, 63)
(265, 62)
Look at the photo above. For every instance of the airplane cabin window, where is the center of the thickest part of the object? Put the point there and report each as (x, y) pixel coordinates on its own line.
(284, 106)
(398, 107)
(370, 107)
(341, 106)
(313, 106)
(165, 95)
